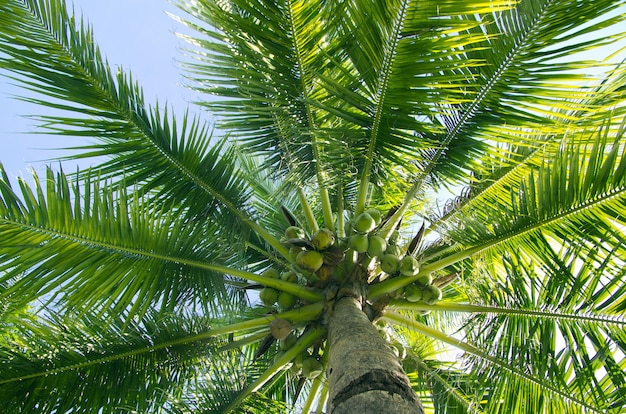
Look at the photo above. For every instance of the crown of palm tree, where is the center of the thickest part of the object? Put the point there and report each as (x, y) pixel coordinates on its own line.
(149, 282)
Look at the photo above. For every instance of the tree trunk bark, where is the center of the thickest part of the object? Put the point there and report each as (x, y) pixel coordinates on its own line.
(364, 374)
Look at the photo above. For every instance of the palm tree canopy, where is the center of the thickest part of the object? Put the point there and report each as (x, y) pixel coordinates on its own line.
(126, 287)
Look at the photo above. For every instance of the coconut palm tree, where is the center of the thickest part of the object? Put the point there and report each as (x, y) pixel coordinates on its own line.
(301, 257)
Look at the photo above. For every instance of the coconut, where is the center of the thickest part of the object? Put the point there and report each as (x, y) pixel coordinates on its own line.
(288, 342)
(294, 252)
(389, 263)
(358, 242)
(412, 293)
(425, 279)
(394, 249)
(286, 300)
(322, 239)
(325, 272)
(290, 277)
(375, 214)
(431, 294)
(311, 367)
(363, 223)
(376, 246)
(271, 272)
(280, 328)
(310, 260)
(268, 296)
(294, 232)
(409, 266)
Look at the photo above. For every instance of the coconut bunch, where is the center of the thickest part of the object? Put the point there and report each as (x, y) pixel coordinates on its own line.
(317, 258)
(320, 260)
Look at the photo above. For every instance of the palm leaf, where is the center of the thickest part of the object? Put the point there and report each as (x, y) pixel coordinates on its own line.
(54, 56)
(88, 363)
(110, 252)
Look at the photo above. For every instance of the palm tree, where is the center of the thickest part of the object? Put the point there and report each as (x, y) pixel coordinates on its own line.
(301, 259)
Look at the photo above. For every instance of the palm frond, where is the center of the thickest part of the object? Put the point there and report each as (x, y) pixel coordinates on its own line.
(574, 197)
(261, 58)
(88, 363)
(526, 82)
(90, 247)
(54, 56)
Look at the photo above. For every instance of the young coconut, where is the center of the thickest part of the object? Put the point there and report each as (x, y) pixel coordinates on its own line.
(376, 246)
(412, 293)
(363, 223)
(375, 214)
(294, 252)
(272, 273)
(323, 239)
(310, 260)
(389, 263)
(288, 342)
(431, 294)
(358, 242)
(311, 367)
(280, 328)
(425, 279)
(286, 300)
(290, 277)
(409, 266)
(294, 232)
(268, 296)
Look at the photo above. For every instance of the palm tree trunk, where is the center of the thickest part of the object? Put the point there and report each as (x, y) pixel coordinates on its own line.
(364, 374)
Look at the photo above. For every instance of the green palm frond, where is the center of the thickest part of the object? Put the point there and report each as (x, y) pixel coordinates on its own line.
(575, 197)
(537, 88)
(580, 327)
(59, 363)
(56, 57)
(262, 56)
(89, 246)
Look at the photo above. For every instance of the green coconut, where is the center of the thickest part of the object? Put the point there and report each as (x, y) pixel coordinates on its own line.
(363, 223)
(268, 296)
(412, 293)
(358, 242)
(286, 300)
(409, 266)
(280, 328)
(294, 232)
(376, 246)
(375, 214)
(389, 263)
(311, 367)
(310, 260)
(323, 239)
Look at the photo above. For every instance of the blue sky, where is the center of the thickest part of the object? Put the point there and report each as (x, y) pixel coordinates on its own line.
(137, 35)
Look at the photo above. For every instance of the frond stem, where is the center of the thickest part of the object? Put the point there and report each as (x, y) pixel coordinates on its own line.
(383, 84)
(325, 198)
(303, 314)
(533, 313)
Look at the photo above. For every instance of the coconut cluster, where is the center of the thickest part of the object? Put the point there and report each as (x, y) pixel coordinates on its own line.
(318, 258)
(317, 255)
(270, 296)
